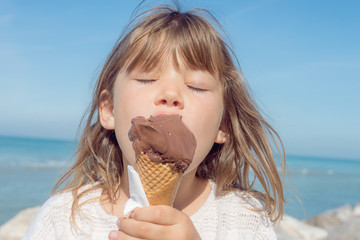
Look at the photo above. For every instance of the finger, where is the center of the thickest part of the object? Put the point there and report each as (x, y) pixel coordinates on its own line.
(116, 235)
(161, 214)
(144, 230)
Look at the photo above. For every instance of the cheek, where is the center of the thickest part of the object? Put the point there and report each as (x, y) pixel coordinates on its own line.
(129, 102)
(205, 123)
(122, 126)
(128, 153)
(205, 137)
(125, 109)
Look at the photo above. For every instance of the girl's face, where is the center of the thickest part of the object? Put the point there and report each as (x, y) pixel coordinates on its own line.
(194, 95)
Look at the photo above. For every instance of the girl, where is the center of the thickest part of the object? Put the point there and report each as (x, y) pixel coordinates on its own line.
(170, 62)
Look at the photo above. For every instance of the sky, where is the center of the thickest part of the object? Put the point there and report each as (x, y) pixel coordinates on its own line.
(301, 60)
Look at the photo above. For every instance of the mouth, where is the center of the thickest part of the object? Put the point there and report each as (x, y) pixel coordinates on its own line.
(165, 113)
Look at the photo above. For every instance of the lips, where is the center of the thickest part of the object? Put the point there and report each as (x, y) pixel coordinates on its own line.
(165, 113)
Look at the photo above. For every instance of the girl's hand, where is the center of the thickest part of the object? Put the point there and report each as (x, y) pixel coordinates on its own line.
(155, 223)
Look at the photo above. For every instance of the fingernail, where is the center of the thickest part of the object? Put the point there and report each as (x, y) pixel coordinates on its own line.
(132, 215)
(113, 235)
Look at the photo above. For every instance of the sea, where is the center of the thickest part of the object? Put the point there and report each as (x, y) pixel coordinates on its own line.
(30, 167)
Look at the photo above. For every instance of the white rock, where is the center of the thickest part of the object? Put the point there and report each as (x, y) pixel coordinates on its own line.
(16, 227)
(332, 218)
(356, 211)
(343, 213)
(347, 231)
(291, 228)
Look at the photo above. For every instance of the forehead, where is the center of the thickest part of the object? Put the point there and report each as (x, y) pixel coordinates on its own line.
(150, 55)
(191, 44)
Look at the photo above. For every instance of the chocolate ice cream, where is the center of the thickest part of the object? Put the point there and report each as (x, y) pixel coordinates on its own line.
(164, 139)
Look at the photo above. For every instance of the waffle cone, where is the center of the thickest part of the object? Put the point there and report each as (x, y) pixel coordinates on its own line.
(160, 182)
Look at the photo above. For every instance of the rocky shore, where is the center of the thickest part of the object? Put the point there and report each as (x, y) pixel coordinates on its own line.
(341, 223)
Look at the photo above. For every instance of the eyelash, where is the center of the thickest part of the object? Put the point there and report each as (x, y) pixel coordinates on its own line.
(197, 90)
(150, 81)
(145, 81)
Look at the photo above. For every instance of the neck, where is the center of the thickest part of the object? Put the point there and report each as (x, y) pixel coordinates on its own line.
(192, 193)
(116, 206)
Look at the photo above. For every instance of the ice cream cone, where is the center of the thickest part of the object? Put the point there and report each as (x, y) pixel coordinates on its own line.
(159, 180)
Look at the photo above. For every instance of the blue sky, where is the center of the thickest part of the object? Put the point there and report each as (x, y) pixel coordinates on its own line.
(300, 58)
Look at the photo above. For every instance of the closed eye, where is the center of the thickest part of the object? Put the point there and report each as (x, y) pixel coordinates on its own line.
(145, 81)
(196, 89)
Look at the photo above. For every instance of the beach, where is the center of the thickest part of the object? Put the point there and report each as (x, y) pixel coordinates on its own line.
(29, 168)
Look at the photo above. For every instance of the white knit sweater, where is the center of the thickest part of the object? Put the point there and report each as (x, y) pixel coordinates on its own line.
(226, 217)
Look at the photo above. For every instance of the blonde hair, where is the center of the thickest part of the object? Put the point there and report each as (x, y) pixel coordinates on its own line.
(150, 37)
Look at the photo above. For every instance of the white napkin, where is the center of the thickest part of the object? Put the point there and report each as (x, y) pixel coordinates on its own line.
(137, 193)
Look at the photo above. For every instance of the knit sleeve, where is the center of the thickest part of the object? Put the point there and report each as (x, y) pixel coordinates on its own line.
(52, 220)
(42, 226)
(239, 222)
(266, 231)
(250, 223)
(232, 216)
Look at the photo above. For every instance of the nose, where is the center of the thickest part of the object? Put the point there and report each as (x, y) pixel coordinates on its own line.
(170, 96)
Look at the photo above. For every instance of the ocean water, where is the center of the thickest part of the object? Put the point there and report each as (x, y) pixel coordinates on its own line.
(29, 168)
(321, 184)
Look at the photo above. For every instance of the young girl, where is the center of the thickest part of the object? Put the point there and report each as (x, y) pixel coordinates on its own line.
(170, 62)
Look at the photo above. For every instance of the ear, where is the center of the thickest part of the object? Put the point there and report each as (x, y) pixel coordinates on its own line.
(106, 111)
(221, 137)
